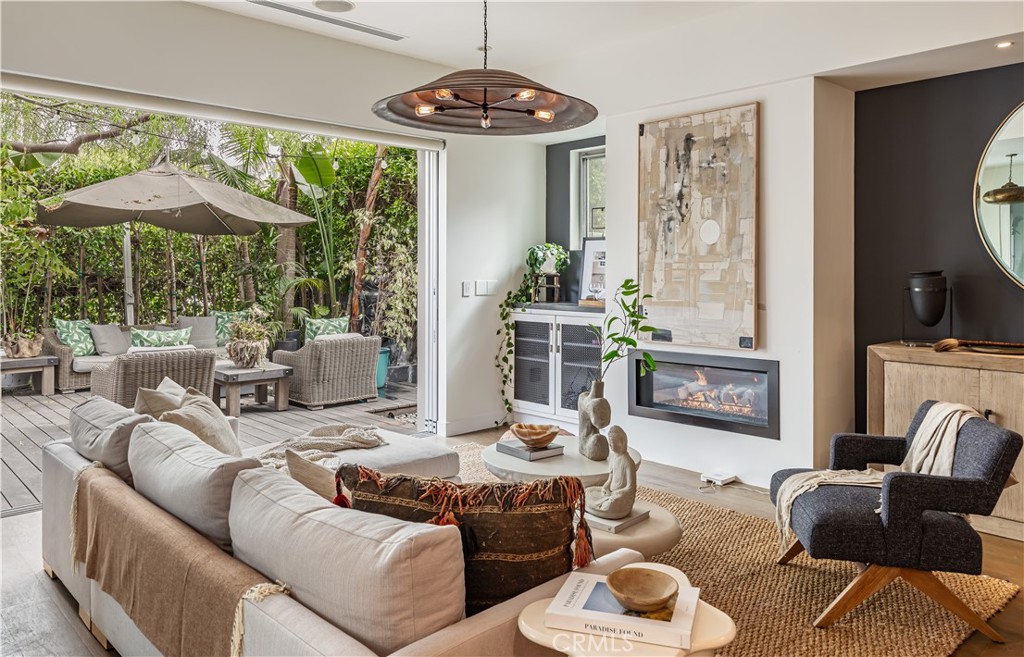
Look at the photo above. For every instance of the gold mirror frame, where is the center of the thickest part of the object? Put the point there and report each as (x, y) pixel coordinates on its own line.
(977, 197)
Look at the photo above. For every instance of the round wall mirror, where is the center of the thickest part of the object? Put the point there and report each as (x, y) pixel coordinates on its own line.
(999, 196)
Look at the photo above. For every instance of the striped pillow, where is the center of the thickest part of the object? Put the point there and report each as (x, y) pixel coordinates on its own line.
(327, 326)
(76, 334)
(144, 338)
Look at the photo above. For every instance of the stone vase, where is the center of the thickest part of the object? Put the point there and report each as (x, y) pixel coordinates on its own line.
(247, 354)
(595, 413)
(927, 296)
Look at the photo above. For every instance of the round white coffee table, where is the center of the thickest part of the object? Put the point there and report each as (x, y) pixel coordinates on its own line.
(659, 533)
(571, 463)
(712, 629)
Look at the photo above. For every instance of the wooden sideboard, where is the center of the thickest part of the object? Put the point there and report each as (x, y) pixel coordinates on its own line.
(900, 378)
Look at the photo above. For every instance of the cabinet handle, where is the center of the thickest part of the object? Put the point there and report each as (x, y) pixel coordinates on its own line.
(988, 413)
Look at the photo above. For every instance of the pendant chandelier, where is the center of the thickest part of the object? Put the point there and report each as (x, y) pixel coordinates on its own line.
(485, 101)
(1011, 192)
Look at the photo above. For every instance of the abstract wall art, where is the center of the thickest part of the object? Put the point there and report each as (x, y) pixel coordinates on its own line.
(698, 227)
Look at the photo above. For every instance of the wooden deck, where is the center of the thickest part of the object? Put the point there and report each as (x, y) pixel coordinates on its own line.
(27, 422)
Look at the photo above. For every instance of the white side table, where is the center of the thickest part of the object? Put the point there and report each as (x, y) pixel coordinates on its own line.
(570, 463)
(659, 533)
(712, 629)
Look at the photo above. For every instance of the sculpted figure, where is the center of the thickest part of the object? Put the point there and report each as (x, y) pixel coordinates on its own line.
(595, 414)
(615, 498)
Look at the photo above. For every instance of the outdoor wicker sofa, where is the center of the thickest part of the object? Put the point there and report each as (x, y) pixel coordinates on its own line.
(332, 369)
(120, 380)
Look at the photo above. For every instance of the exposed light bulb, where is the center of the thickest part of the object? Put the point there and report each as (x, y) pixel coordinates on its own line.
(545, 115)
(525, 95)
(425, 110)
(485, 121)
(1004, 44)
(444, 94)
(383, 164)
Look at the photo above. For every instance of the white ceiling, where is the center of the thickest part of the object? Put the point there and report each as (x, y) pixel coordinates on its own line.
(522, 35)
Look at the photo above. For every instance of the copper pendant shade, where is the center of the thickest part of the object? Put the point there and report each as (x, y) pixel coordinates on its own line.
(485, 101)
(1010, 192)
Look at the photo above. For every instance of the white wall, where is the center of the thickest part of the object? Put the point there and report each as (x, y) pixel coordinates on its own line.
(786, 269)
(495, 204)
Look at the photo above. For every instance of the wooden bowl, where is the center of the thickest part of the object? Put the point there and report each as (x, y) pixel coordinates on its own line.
(534, 436)
(642, 589)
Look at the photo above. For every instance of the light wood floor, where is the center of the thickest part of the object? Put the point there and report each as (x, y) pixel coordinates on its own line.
(27, 422)
(40, 618)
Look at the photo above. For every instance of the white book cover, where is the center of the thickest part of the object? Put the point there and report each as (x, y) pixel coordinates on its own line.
(584, 604)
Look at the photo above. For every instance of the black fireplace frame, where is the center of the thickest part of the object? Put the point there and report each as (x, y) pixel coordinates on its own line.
(641, 391)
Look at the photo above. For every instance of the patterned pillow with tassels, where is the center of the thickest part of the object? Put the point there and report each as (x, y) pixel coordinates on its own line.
(514, 536)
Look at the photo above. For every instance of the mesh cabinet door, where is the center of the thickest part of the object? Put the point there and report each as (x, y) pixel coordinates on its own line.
(580, 353)
(533, 362)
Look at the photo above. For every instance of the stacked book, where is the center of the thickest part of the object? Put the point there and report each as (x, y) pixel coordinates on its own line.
(518, 449)
(584, 604)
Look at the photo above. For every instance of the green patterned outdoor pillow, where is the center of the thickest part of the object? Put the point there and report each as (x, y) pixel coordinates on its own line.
(144, 338)
(75, 333)
(329, 326)
(224, 320)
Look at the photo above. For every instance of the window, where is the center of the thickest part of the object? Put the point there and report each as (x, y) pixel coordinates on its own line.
(591, 216)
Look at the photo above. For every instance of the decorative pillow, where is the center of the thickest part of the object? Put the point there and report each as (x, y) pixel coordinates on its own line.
(173, 338)
(385, 582)
(202, 417)
(313, 476)
(75, 333)
(204, 331)
(186, 477)
(101, 431)
(150, 350)
(514, 536)
(109, 339)
(166, 397)
(328, 326)
(222, 323)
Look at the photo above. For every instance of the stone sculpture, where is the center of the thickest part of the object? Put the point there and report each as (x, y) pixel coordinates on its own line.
(595, 414)
(615, 498)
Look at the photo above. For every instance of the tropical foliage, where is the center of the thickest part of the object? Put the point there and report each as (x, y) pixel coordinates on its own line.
(362, 197)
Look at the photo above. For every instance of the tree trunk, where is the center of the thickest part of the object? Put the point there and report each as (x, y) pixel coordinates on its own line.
(172, 293)
(287, 196)
(100, 299)
(200, 242)
(137, 288)
(83, 285)
(300, 257)
(48, 299)
(365, 228)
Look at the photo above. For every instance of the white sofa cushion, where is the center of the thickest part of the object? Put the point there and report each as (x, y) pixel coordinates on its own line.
(102, 430)
(385, 582)
(85, 364)
(416, 457)
(186, 477)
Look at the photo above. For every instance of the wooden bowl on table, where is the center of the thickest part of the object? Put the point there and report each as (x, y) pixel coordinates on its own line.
(534, 436)
(642, 589)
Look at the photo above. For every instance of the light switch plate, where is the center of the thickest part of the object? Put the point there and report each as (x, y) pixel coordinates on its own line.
(467, 288)
(481, 288)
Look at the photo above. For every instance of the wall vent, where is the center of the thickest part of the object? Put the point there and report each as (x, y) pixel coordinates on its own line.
(308, 13)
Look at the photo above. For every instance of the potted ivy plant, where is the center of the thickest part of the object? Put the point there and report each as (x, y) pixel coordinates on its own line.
(250, 339)
(547, 258)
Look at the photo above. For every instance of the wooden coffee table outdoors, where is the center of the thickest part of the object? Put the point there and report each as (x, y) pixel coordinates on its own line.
(40, 367)
(231, 379)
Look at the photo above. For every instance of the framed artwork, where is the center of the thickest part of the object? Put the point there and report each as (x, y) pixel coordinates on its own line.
(697, 221)
(592, 280)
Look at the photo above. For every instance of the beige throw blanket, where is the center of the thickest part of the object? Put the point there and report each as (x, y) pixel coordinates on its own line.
(183, 593)
(322, 444)
(931, 452)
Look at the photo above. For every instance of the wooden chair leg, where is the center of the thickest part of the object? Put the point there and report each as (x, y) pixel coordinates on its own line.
(860, 589)
(794, 549)
(49, 571)
(930, 585)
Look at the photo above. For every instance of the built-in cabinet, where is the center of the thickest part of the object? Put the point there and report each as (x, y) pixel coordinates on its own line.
(900, 378)
(557, 356)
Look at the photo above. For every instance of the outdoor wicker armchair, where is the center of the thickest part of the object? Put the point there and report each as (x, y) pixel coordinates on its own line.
(332, 369)
(120, 380)
(68, 380)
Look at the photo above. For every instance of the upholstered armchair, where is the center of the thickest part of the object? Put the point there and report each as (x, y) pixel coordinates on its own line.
(120, 380)
(916, 532)
(332, 369)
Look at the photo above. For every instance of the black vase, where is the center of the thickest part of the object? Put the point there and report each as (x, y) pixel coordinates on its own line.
(927, 296)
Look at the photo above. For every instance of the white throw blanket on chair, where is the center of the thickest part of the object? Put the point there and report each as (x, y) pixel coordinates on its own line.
(931, 452)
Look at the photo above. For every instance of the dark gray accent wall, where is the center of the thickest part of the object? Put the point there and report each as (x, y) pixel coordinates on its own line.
(916, 152)
(558, 192)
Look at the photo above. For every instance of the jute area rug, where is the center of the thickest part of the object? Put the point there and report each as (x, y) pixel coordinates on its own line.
(731, 557)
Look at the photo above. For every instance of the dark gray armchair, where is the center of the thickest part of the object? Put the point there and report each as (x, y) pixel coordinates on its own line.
(916, 532)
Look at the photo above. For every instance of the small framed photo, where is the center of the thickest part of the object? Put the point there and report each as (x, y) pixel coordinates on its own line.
(592, 280)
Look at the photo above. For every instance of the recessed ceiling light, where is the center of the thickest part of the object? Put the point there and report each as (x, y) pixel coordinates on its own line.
(1004, 44)
(334, 6)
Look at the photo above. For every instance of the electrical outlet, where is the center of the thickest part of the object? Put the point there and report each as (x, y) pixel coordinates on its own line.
(467, 288)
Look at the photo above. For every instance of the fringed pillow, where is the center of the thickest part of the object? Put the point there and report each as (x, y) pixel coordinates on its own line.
(514, 536)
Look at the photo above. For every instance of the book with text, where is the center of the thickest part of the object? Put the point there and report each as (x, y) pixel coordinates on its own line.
(584, 604)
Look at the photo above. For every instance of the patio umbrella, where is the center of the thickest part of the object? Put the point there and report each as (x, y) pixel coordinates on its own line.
(169, 197)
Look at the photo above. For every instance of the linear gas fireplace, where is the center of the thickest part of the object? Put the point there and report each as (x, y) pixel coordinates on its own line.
(740, 395)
